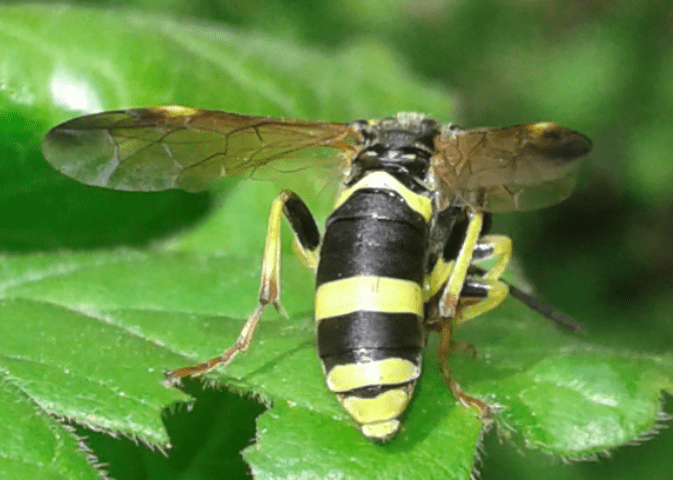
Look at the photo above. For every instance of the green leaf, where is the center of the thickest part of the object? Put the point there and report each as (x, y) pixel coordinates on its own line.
(558, 394)
(34, 445)
(85, 335)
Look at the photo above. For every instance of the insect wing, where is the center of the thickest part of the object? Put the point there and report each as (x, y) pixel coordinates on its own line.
(150, 149)
(522, 167)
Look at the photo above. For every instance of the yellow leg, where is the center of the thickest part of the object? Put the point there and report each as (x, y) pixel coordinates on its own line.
(498, 246)
(294, 209)
(436, 280)
(451, 294)
(308, 257)
(491, 291)
(471, 307)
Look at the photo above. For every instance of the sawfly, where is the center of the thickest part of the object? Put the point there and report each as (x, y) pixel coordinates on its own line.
(397, 256)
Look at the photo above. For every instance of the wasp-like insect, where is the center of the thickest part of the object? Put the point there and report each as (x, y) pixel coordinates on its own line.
(396, 257)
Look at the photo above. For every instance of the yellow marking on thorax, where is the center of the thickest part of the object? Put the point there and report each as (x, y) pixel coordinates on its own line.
(383, 180)
(368, 293)
(389, 371)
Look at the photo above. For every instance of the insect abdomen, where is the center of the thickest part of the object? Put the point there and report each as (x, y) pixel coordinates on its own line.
(369, 303)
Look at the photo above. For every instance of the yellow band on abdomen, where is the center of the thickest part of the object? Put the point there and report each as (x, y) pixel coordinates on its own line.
(384, 407)
(388, 371)
(368, 293)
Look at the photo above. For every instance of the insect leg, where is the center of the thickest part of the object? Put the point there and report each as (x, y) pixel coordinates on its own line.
(306, 244)
(480, 296)
(492, 246)
(446, 345)
(450, 276)
(458, 268)
(482, 293)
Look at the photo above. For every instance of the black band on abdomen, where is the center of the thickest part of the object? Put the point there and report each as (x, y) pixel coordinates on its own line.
(369, 330)
(373, 233)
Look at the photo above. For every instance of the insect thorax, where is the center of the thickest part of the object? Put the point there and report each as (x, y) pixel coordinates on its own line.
(401, 145)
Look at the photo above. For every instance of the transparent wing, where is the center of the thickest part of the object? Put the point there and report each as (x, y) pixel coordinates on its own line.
(522, 167)
(149, 149)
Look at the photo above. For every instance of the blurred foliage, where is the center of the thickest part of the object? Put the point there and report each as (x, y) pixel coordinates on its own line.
(601, 67)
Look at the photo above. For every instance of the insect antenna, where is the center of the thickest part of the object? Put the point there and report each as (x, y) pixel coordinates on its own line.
(563, 320)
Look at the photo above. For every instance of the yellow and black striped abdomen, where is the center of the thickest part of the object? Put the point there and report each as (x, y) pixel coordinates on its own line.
(369, 301)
